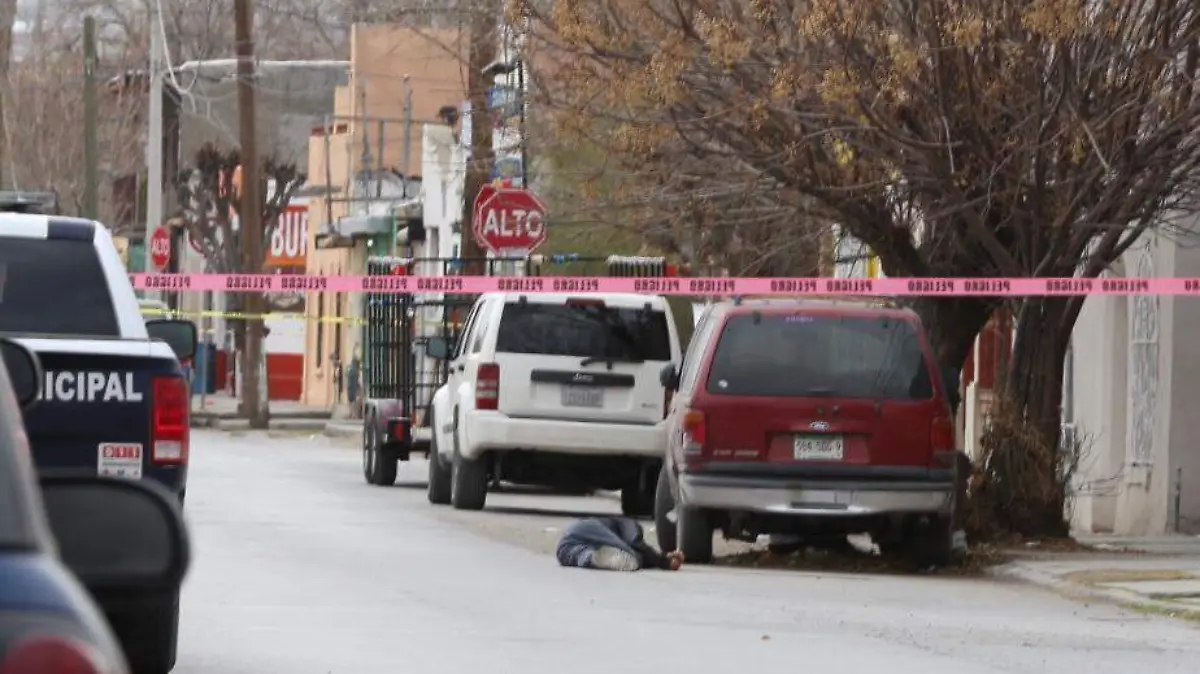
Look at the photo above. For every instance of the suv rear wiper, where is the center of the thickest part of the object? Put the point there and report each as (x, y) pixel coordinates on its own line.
(605, 359)
(820, 392)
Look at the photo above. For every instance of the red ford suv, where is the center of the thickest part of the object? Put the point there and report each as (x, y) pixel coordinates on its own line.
(809, 418)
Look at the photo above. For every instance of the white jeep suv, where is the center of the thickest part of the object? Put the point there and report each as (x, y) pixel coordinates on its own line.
(554, 390)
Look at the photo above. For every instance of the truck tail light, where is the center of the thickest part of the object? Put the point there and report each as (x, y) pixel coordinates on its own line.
(487, 387)
(52, 655)
(170, 422)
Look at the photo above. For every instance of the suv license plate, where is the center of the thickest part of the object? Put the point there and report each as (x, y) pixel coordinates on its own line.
(582, 396)
(818, 447)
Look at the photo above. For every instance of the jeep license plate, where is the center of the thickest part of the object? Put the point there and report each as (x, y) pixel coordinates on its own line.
(582, 396)
(818, 447)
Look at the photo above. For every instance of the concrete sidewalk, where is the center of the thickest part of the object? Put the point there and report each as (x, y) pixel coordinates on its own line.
(1155, 574)
(219, 411)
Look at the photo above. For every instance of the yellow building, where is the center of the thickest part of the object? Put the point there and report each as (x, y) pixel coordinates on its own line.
(354, 163)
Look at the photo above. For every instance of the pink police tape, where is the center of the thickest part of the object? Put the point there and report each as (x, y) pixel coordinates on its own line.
(923, 287)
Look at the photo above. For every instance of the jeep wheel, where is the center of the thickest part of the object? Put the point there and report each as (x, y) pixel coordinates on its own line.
(663, 505)
(439, 474)
(637, 500)
(695, 532)
(468, 481)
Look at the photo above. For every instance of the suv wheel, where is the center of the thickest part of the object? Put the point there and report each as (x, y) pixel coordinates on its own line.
(932, 543)
(695, 533)
(663, 505)
(637, 500)
(439, 474)
(468, 481)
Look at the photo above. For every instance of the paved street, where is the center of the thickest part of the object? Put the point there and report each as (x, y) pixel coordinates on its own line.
(301, 568)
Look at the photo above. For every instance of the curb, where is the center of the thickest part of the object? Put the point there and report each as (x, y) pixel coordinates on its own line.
(1023, 572)
(285, 424)
(341, 429)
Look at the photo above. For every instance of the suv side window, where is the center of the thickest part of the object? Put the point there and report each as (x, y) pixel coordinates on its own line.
(690, 369)
(480, 329)
(468, 328)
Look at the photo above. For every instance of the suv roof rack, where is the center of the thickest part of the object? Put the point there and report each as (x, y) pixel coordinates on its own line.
(22, 201)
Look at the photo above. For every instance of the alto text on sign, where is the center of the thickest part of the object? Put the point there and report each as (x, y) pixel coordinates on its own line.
(511, 221)
(160, 248)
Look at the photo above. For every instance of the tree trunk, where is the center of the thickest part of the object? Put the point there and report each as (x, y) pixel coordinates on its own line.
(1027, 471)
(953, 324)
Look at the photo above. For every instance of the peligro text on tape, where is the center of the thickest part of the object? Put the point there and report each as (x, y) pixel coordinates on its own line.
(720, 286)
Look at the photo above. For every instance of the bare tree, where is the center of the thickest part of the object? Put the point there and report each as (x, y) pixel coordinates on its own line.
(955, 137)
(210, 202)
(44, 101)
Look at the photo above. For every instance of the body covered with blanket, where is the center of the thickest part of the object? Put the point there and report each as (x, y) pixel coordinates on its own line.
(613, 544)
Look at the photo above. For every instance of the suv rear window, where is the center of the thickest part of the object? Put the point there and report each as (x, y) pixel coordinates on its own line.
(820, 356)
(54, 287)
(584, 330)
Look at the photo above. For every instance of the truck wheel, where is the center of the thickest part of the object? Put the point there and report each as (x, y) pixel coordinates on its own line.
(468, 481)
(150, 637)
(664, 528)
(695, 535)
(439, 474)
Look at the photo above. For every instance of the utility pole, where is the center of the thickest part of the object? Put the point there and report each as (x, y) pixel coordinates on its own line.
(90, 205)
(481, 53)
(253, 364)
(154, 143)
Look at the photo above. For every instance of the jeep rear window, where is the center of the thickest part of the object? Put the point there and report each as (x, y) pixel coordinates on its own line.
(584, 330)
(54, 287)
(820, 356)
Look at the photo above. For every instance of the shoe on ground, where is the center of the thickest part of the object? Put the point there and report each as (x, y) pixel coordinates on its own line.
(614, 559)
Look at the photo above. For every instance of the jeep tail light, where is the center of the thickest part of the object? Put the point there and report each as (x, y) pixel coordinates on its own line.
(169, 426)
(941, 435)
(695, 432)
(487, 387)
(52, 655)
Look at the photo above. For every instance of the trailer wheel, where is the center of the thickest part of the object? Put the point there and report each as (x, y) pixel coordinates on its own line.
(439, 474)
(368, 441)
(379, 461)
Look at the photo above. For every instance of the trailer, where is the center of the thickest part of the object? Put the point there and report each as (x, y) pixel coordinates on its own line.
(399, 378)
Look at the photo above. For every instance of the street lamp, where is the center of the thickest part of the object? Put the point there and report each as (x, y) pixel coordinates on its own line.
(502, 67)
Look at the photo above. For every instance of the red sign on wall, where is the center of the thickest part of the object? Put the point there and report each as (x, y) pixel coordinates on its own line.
(288, 245)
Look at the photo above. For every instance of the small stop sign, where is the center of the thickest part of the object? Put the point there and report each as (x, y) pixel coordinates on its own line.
(160, 248)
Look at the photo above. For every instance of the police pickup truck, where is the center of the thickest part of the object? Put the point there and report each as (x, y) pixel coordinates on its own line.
(114, 400)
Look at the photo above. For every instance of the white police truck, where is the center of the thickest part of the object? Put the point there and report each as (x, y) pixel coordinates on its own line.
(114, 398)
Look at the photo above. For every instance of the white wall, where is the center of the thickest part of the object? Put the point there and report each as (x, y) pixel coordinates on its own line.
(1136, 378)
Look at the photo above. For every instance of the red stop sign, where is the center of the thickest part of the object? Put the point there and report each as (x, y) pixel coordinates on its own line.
(512, 220)
(160, 248)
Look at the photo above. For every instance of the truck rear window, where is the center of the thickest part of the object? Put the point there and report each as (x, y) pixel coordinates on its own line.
(820, 356)
(584, 330)
(54, 287)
